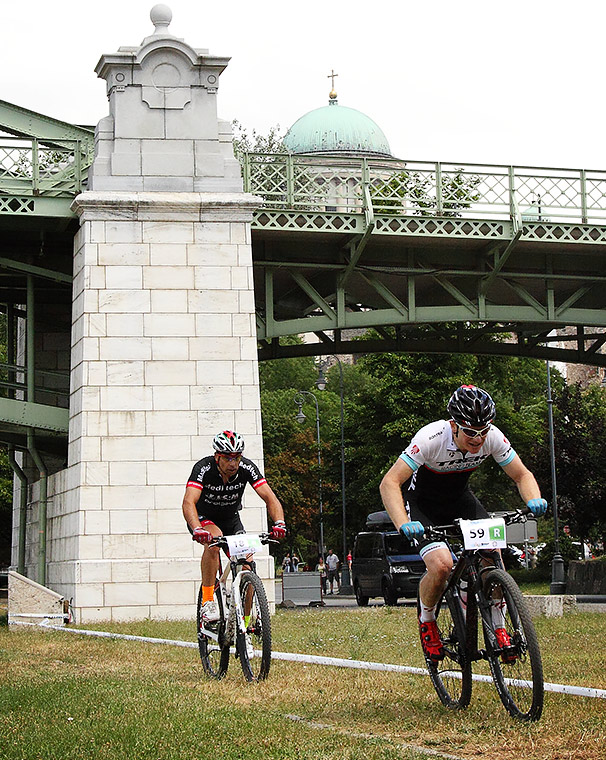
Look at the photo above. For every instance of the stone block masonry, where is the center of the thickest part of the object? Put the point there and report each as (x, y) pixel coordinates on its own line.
(140, 416)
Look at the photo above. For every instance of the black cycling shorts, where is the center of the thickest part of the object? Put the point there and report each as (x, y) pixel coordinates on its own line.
(229, 525)
(467, 506)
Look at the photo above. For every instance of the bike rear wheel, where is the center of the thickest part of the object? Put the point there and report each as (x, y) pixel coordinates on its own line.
(214, 655)
(254, 646)
(451, 677)
(517, 670)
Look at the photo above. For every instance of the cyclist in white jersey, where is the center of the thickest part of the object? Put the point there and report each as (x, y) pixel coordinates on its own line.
(428, 485)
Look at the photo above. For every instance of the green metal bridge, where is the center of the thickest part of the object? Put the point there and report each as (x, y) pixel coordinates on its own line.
(435, 257)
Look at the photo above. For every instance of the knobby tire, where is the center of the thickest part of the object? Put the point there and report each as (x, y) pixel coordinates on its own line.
(214, 657)
(522, 700)
(451, 677)
(255, 667)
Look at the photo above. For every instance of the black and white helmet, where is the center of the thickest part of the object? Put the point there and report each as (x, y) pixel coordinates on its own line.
(228, 442)
(471, 406)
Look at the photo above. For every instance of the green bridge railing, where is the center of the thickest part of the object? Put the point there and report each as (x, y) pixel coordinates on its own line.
(58, 168)
(31, 167)
(308, 184)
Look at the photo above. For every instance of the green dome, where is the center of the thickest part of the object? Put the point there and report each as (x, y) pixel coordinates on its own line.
(336, 129)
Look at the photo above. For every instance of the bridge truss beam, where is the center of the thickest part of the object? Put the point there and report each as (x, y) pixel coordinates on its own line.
(414, 275)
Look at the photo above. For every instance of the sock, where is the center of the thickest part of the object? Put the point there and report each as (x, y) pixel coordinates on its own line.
(208, 594)
(427, 613)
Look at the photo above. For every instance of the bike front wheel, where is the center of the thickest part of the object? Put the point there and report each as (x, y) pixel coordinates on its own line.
(254, 645)
(213, 654)
(451, 677)
(516, 669)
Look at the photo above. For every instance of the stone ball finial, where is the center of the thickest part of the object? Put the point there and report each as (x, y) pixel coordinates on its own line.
(161, 16)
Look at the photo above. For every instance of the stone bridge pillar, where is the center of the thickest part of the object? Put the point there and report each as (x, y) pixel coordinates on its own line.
(164, 349)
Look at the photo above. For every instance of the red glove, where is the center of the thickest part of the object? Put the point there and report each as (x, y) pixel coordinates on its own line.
(279, 529)
(202, 536)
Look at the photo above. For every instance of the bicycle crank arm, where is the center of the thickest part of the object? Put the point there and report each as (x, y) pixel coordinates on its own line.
(209, 634)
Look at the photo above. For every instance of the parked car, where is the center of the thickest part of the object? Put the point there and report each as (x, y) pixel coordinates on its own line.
(384, 563)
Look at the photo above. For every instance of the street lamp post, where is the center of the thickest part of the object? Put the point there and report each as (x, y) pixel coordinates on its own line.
(558, 582)
(321, 385)
(300, 417)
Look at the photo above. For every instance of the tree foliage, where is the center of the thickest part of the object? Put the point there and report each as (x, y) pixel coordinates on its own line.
(387, 398)
(251, 141)
(412, 191)
(580, 450)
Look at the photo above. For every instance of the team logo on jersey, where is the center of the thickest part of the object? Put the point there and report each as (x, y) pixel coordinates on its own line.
(414, 449)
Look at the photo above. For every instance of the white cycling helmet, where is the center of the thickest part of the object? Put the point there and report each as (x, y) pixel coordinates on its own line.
(228, 442)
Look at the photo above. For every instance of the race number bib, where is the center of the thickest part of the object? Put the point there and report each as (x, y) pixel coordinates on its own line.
(243, 544)
(484, 534)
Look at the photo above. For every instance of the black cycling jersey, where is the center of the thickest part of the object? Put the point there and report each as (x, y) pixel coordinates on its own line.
(219, 499)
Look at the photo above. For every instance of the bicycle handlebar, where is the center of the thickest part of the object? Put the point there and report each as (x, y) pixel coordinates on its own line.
(221, 541)
(453, 530)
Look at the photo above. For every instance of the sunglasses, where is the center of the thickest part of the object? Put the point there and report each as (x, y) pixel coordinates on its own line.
(231, 457)
(473, 433)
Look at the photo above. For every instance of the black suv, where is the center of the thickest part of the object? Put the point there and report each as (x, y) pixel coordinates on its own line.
(384, 563)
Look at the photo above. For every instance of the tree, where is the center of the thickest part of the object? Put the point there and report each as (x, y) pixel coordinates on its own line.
(291, 452)
(580, 448)
(255, 142)
(411, 190)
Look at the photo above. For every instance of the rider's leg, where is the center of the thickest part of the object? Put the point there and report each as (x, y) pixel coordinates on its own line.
(209, 564)
(438, 561)
(498, 606)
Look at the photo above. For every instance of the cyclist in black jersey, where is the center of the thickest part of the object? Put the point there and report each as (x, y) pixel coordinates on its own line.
(428, 485)
(213, 499)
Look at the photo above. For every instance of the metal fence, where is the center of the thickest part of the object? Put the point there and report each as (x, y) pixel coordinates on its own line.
(347, 185)
(43, 168)
(425, 188)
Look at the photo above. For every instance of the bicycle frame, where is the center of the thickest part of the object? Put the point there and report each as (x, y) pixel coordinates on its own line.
(469, 562)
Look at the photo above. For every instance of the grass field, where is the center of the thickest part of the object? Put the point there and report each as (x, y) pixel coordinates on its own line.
(75, 697)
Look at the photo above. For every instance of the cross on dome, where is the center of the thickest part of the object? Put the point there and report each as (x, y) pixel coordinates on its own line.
(333, 93)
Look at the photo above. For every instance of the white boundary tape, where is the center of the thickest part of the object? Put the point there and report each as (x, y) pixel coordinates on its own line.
(577, 691)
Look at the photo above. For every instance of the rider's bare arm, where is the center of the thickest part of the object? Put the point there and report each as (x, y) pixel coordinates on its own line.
(391, 491)
(190, 510)
(523, 478)
(274, 507)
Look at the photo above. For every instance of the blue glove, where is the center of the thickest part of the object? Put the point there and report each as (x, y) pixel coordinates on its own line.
(538, 507)
(412, 529)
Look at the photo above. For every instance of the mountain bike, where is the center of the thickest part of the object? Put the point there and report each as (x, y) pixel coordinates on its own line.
(244, 619)
(477, 583)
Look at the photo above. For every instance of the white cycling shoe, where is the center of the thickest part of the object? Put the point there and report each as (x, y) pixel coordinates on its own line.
(210, 612)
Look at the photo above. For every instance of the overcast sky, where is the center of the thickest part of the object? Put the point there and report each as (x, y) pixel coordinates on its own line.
(493, 82)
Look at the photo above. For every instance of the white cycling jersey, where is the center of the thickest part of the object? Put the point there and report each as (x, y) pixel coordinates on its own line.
(440, 469)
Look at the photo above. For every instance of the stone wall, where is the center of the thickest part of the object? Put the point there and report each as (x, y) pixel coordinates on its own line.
(29, 602)
(587, 578)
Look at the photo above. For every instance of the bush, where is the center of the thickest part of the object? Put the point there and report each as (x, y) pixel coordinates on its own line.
(567, 550)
